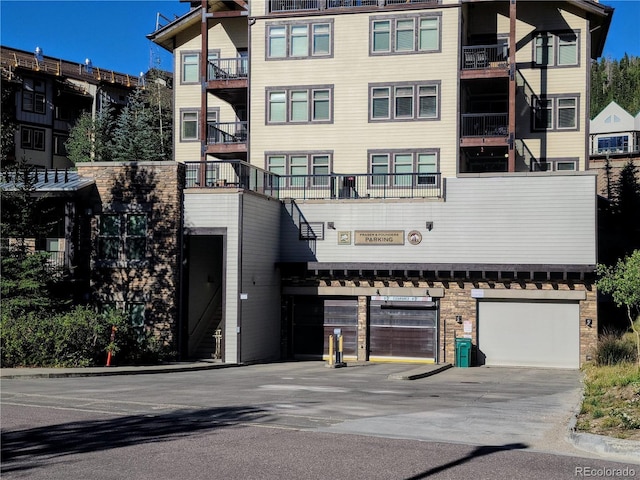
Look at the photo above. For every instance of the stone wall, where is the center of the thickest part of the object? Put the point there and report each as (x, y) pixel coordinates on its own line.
(152, 190)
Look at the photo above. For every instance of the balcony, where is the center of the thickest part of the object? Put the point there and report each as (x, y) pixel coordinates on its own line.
(227, 79)
(229, 138)
(283, 6)
(484, 129)
(485, 61)
(236, 174)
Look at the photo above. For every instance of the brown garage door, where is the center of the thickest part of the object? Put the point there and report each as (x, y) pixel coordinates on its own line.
(403, 330)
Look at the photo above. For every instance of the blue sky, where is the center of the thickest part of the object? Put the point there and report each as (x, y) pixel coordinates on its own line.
(113, 33)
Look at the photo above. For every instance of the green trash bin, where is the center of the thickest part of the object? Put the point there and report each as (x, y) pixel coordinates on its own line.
(463, 352)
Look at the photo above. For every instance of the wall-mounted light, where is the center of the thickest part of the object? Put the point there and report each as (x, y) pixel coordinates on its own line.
(588, 322)
(458, 318)
(429, 226)
(331, 225)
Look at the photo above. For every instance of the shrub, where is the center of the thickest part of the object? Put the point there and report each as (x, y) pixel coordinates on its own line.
(613, 349)
(79, 337)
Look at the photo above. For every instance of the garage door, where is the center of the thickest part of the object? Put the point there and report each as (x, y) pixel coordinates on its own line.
(403, 331)
(529, 333)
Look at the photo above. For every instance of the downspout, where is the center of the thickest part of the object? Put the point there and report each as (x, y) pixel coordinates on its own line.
(204, 58)
(511, 167)
(240, 286)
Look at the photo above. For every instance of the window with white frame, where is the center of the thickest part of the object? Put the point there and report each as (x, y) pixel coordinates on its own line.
(190, 67)
(404, 101)
(300, 169)
(122, 237)
(291, 40)
(613, 144)
(32, 138)
(405, 34)
(34, 96)
(556, 49)
(189, 125)
(406, 168)
(559, 112)
(305, 104)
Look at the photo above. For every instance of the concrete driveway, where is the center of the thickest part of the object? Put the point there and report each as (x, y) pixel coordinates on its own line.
(485, 406)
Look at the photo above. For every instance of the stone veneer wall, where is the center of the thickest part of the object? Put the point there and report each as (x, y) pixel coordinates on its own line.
(457, 300)
(154, 188)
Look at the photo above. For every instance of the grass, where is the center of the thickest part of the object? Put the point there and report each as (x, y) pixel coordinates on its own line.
(611, 404)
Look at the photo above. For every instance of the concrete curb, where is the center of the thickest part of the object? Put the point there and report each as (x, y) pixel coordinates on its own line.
(18, 373)
(609, 447)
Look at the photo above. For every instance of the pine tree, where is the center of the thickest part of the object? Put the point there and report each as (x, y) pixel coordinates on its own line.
(134, 135)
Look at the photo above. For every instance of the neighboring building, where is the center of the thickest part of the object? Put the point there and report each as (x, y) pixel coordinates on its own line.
(50, 95)
(614, 140)
(118, 237)
(406, 172)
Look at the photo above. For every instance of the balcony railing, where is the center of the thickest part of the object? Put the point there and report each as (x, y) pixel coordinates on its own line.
(238, 174)
(294, 5)
(485, 56)
(229, 132)
(230, 174)
(228, 68)
(485, 125)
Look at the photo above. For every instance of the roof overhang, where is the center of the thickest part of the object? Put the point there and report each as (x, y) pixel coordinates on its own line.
(216, 9)
(599, 16)
(51, 182)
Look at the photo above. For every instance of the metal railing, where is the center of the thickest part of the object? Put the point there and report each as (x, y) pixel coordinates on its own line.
(485, 124)
(239, 174)
(227, 132)
(485, 56)
(228, 68)
(293, 5)
(358, 186)
(230, 174)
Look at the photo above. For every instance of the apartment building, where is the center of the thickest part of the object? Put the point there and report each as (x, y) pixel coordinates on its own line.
(402, 174)
(49, 96)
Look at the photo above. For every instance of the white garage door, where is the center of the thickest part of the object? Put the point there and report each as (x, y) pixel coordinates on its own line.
(529, 333)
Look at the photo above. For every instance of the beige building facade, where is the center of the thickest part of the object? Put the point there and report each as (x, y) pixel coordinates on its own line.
(401, 174)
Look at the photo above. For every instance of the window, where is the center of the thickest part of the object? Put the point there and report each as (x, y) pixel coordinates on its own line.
(34, 96)
(189, 125)
(277, 107)
(543, 115)
(305, 169)
(190, 67)
(567, 113)
(381, 36)
(321, 105)
(299, 105)
(544, 49)
(32, 138)
(410, 102)
(556, 113)
(122, 237)
(613, 144)
(568, 49)
(404, 168)
(556, 49)
(557, 165)
(405, 34)
(290, 40)
(299, 40)
(59, 144)
(380, 102)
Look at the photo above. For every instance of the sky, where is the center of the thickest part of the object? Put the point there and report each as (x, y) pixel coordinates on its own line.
(113, 33)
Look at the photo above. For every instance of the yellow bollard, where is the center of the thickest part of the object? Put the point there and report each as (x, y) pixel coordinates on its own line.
(330, 349)
(340, 344)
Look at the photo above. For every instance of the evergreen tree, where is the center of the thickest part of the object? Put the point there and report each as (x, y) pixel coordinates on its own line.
(626, 207)
(8, 124)
(81, 137)
(616, 80)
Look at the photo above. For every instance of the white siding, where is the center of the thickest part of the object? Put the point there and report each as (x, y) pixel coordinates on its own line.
(534, 219)
(252, 224)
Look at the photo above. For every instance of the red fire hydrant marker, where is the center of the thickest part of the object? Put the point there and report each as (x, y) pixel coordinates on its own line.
(113, 339)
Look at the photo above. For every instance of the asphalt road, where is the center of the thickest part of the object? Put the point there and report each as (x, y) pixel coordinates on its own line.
(297, 421)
